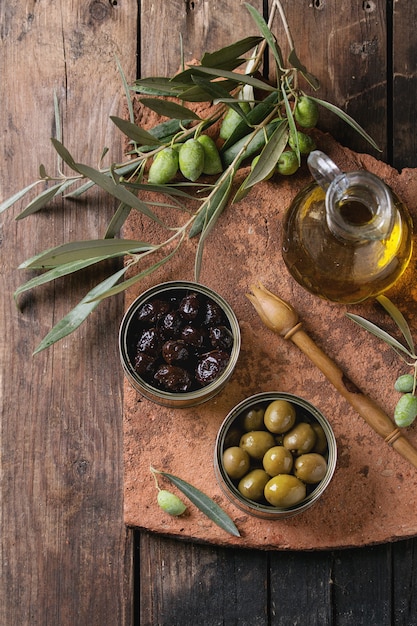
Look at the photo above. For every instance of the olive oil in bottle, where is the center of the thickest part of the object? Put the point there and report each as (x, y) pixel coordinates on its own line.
(346, 237)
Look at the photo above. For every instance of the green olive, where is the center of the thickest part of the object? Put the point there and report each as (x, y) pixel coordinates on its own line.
(236, 462)
(164, 167)
(321, 440)
(191, 159)
(284, 490)
(311, 468)
(212, 160)
(305, 143)
(253, 484)
(232, 119)
(287, 163)
(300, 439)
(170, 503)
(306, 112)
(256, 443)
(279, 416)
(253, 419)
(404, 383)
(405, 411)
(277, 460)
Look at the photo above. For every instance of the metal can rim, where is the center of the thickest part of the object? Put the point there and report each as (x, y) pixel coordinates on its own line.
(189, 398)
(268, 511)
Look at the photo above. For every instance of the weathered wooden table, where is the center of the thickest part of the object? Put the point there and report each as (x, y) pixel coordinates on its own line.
(66, 555)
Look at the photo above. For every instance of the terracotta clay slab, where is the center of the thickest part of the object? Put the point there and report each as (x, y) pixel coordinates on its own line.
(373, 495)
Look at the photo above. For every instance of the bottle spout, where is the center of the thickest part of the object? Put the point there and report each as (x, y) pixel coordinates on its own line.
(323, 169)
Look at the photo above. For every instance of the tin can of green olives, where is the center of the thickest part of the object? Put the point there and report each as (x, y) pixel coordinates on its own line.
(275, 455)
(179, 343)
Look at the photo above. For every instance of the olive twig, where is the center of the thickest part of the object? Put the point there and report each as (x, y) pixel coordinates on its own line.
(405, 411)
(267, 129)
(206, 505)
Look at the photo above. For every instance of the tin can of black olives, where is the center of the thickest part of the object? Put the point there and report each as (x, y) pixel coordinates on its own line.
(275, 455)
(179, 343)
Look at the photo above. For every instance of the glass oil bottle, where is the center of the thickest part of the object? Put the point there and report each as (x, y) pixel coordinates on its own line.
(347, 237)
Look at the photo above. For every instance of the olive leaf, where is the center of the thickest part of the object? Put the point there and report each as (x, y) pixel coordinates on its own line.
(79, 313)
(214, 202)
(64, 153)
(56, 272)
(267, 35)
(348, 119)
(292, 126)
(398, 318)
(135, 132)
(117, 221)
(295, 62)
(378, 332)
(245, 79)
(260, 111)
(159, 86)
(206, 505)
(211, 210)
(170, 109)
(126, 89)
(215, 91)
(137, 277)
(84, 250)
(267, 159)
(165, 130)
(43, 198)
(116, 190)
(220, 58)
(6, 204)
(120, 170)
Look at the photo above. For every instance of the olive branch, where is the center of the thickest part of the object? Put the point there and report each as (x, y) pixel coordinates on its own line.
(406, 408)
(263, 131)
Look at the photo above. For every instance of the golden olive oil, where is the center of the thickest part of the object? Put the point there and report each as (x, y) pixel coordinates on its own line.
(341, 268)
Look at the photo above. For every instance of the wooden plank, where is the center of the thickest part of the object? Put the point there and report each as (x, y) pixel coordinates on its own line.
(404, 85)
(66, 555)
(404, 559)
(362, 585)
(203, 25)
(301, 588)
(343, 45)
(189, 584)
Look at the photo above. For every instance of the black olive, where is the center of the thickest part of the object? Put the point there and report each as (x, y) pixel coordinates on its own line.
(212, 314)
(221, 337)
(184, 342)
(173, 378)
(149, 342)
(210, 366)
(175, 351)
(189, 306)
(170, 324)
(194, 336)
(144, 364)
(152, 311)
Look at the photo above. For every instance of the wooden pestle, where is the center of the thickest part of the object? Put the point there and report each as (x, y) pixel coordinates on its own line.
(283, 320)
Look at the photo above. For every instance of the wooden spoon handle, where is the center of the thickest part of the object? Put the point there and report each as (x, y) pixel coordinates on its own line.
(365, 406)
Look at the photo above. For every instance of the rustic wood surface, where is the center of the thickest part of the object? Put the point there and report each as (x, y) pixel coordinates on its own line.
(66, 556)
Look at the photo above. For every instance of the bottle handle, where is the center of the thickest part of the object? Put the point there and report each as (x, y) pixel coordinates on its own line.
(322, 168)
